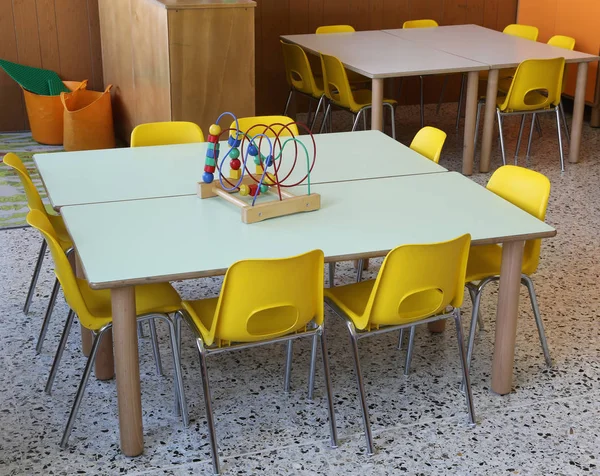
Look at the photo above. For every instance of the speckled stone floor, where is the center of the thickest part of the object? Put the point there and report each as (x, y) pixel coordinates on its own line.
(550, 424)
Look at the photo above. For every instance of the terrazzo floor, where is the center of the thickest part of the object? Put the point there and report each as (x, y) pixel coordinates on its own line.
(550, 424)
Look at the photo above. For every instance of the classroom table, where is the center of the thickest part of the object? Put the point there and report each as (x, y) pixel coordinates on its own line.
(379, 55)
(357, 219)
(498, 50)
(134, 173)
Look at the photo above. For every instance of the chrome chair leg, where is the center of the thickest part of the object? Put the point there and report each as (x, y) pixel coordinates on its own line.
(530, 137)
(564, 120)
(392, 118)
(314, 121)
(141, 330)
(331, 273)
(332, 426)
(177, 373)
(519, 139)
(208, 406)
(560, 144)
(477, 119)
(47, 316)
(472, 293)
(464, 366)
(421, 79)
(409, 352)
(356, 118)
(288, 366)
(287, 102)
(36, 275)
(442, 93)
(82, 386)
(501, 136)
(463, 85)
(365, 121)
(361, 387)
(155, 347)
(59, 352)
(400, 339)
(313, 364)
(177, 329)
(327, 114)
(538, 125)
(526, 280)
(359, 270)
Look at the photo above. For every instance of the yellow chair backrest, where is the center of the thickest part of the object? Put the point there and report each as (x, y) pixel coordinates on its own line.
(268, 125)
(34, 201)
(266, 298)
(429, 142)
(532, 77)
(528, 190)
(298, 72)
(425, 23)
(335, 82)
(417, 281)
(522, 31)
(325, 30)
(166, 133)
(561, 41)
(62, 267)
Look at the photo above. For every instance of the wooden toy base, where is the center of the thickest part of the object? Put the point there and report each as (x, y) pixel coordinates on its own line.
(252, 214)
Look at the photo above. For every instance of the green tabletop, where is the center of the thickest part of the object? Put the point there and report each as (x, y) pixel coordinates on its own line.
(73, 178)
(182, 237)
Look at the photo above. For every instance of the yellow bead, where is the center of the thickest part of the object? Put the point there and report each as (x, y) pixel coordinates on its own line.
(215, 130)
(269, 179)
(235, 174)
(259, 170)
(244, 190)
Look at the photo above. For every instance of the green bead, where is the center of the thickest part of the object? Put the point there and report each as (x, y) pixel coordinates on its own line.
(264, 188)
(234, 153)
(210, 161)
(257, 160)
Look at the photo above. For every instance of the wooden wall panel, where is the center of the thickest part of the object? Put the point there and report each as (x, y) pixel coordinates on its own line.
(61, 35)
(280, 17)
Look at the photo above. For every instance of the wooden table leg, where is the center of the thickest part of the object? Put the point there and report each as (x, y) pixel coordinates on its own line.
(377, 105)
(86, 341)
(578, 110)
(437, 326)
(470, 114)
(128, 370)
(488, 120)
(506, 318)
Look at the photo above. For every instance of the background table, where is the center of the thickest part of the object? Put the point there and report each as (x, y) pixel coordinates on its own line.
(73, 178)
(392, 211)
(378, 55)
(498, 50)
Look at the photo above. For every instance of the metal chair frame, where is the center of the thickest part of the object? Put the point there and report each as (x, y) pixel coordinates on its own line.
(317, 333)
(355, 335)
(320, 101)
(356, 116)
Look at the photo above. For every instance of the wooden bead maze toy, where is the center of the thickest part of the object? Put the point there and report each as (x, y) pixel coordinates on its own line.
(268, 178)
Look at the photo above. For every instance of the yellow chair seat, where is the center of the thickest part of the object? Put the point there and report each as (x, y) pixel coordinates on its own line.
(149, 298)
(202, 312)
(362, 98)
(484, 261)
(352, 298)
(532, 97)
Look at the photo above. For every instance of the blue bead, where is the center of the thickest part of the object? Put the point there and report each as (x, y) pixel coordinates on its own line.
(252, 150)
(233, 142)
(268, 161)
(207, 177)
(212, 153)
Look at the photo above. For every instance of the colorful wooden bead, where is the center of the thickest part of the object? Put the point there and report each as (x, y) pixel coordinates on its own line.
(259, 170)
(213, 153)
(269, 179)
(235, 174)
(235, 164)
(209, 168)
(257, 160)
(213, 139)
(244, 190)
(252, 150)
(254, 190)
(234, 153)
(207, 177)
(268, 161)
(264, 188)
(214, 130)
(210, 161)
(233, 142)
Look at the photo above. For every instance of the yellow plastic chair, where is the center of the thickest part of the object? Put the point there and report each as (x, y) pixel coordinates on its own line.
(530, 191)
(416, 284)
(281, 125)
(425, 23)
(429, 142)
(301, 80)
(34, 202)
(522, 31)
(246, 315)
(166, 133)
(339, 93)
(93, 308)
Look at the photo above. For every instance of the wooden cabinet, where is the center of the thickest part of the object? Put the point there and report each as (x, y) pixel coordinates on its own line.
(180, 60)
(579, 19)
